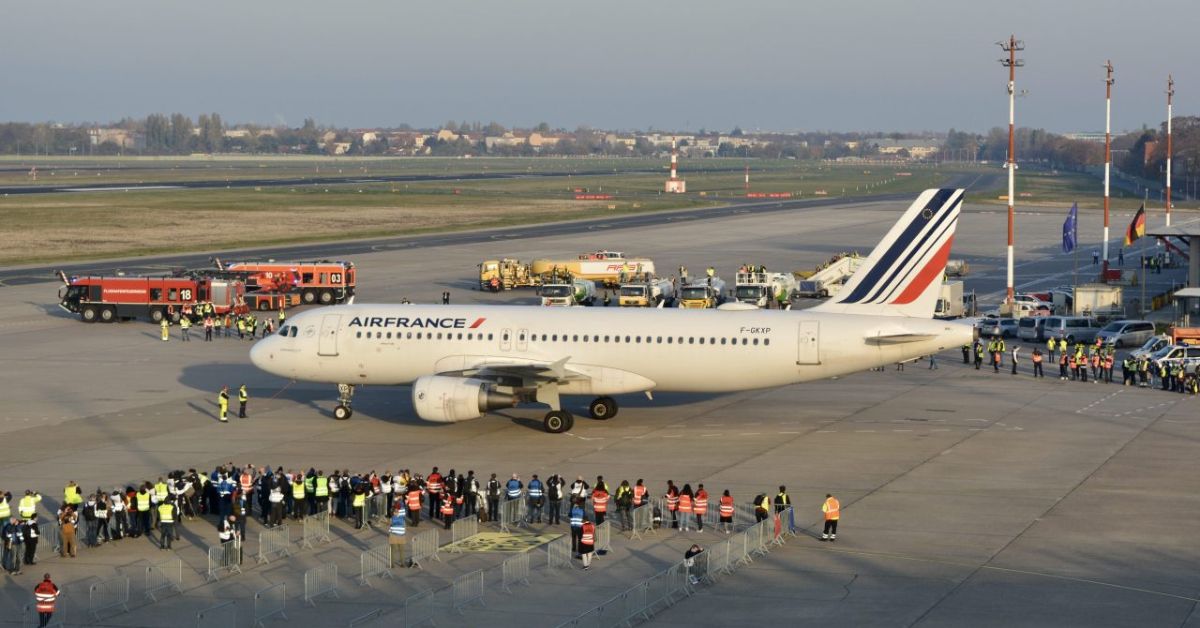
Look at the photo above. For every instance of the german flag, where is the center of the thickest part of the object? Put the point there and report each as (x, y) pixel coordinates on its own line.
(1137, 228)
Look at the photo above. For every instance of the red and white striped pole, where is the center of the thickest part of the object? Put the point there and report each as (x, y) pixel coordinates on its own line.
(1012, 63)
(674, 159)
(1170, 95)
(1108, 83)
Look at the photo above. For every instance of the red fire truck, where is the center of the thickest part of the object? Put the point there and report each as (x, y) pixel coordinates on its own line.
(323, 282)
(108, 299)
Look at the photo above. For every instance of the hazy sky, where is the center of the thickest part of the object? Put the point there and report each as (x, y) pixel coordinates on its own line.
(780, 65)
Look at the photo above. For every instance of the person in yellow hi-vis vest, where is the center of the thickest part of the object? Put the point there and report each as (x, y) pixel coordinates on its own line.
(223, 401)
(166, 329)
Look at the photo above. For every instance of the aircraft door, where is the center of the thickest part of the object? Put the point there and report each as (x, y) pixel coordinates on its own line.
(327, 342)
(808, 343)
(522, 339)
(506, 340)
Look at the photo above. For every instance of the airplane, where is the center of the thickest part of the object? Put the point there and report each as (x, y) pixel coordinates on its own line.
(463, 361)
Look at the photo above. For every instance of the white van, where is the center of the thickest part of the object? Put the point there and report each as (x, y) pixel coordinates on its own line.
(1126, 333)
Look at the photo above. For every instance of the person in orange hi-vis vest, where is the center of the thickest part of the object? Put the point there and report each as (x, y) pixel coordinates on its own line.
(600, 504)
(587, 543)
(685, 506)
(700, 506)
(832, 509)
(726, 511)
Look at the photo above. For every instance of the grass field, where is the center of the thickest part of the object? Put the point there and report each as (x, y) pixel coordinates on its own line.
(1055, 188)
(90, 225)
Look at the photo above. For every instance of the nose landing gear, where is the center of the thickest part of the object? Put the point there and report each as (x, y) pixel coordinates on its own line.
(343, 410)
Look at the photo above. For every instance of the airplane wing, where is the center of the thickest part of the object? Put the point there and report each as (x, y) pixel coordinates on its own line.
(527, 372)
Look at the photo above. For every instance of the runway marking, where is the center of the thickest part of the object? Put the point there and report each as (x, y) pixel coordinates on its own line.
(791, 432)
(826, 431)
(942, 429)
(864, 431)
(749, 434)
(709, 435)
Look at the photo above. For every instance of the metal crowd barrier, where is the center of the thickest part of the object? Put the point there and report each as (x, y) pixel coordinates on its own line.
(423, 545)
(717, 560)
(366, 618)
(319, 581)
(226, 556)
(219, 616)
(163, 576)
(375, 507)
(462, 530)
(790, 529)
(558, 552)
(419, 609)
(515, 570)
(512, 514)
(50, 537)
(270, 602)
(604, 538)
(375, 563)
(643, 521)
(763, 532)
(108, 594)
(468, 588)
(316, 530)
(274, 543)
(641, 601)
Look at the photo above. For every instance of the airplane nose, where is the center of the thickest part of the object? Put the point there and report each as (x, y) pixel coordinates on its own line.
(261, 354)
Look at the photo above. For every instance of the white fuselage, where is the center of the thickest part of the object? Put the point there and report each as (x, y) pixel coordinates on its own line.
(607, 350)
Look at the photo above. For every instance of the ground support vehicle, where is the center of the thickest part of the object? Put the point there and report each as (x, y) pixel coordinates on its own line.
(325, 282)
(109, 299)
(575, 292)
(506, 274)
(647, 293)
(706, 293)
(760, 288)
(609, 268)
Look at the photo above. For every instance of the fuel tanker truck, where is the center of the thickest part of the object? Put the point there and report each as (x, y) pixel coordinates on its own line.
(610, 268)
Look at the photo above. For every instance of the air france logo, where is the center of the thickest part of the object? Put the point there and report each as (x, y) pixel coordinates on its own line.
(392, 321)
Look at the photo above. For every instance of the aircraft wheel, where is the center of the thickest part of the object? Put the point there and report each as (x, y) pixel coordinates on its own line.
(558, 421)
(342, 413)
(603, 408)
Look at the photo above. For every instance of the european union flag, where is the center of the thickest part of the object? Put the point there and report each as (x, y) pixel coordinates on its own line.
(1071, 229)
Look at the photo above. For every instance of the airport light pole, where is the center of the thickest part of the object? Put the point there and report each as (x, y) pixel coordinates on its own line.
(1170, 96)
(1012, 63)
(1108, 83)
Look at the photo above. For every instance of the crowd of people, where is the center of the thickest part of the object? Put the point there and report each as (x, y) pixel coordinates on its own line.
(204, 316)
(1079, 362)
(230, 495)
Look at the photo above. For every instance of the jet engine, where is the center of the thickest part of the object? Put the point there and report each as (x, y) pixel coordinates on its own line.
(451, 399)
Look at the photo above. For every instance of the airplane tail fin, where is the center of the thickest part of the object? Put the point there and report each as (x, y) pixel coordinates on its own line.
(903, 275)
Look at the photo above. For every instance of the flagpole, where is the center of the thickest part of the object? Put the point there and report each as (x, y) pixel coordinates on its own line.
(1145, 198)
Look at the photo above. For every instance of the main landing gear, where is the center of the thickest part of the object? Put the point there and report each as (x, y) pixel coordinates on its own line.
(558, 421)
(603, 408)
(343, 410)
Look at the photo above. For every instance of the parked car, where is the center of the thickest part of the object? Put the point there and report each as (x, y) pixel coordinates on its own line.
(1126, 333)
(1003, 327)
(1171, 355)
(1153, 344)
(1073, 328)
(1030, 328)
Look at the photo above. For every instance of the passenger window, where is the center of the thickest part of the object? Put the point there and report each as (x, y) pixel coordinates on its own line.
(722, 341)
(606, 339)
(439, 336)
(460, 335)
(368, 334)
(766, 341)
(691, 341)
(659, 340)
(638, 339)
(358, 334)
(585, 337)
(681, 340)
(744, 340)
(669, 339)
(575, 338)
(627, 339)
(595, 338)
(701, 339)
(489, 336)
(389, 335)
(755, 341)
(554, 338)
(408, 335)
